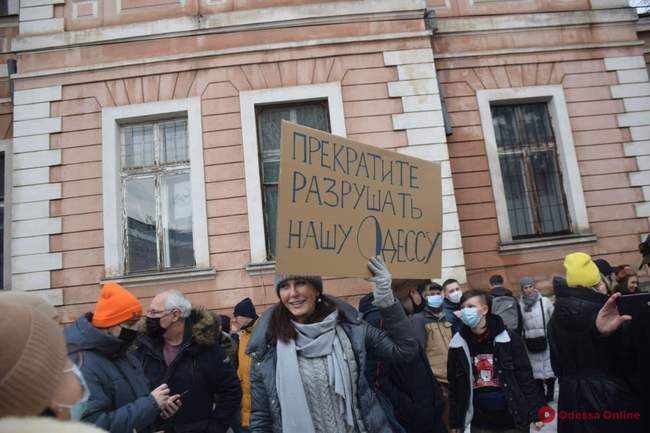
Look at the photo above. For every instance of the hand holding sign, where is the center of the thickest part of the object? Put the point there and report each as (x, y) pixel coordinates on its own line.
(341, 203)
(383, 293)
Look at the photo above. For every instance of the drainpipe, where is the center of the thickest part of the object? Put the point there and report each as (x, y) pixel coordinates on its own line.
(431, 23)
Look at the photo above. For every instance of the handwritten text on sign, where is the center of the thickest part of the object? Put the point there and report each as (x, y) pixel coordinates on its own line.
(341, 202)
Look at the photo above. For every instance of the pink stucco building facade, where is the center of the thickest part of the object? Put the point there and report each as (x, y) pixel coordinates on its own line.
(141, 135)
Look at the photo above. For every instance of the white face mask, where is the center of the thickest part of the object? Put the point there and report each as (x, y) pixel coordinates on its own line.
(77, 410)
(455, 296)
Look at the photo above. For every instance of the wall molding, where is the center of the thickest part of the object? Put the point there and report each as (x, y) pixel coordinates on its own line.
(469, 24)
(226, 51)
(111, 178)
(571, 180)
(284, 16)
(247, 102)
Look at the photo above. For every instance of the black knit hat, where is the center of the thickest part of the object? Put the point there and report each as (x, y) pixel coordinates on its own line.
(604, 267)
(278, 280)
(245, 308)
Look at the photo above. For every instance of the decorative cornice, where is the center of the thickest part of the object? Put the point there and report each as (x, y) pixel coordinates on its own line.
(285, 16)
(226, 51)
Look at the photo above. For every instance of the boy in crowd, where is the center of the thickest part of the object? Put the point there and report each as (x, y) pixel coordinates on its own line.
(491, 385)
(451, 305)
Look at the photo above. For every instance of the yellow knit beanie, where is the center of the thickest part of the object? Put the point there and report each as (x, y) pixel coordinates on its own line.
(581, 270)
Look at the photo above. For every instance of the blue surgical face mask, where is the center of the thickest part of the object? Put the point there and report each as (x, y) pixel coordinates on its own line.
(434, 301)
(77, 410)
(470, 316)
(455, 297)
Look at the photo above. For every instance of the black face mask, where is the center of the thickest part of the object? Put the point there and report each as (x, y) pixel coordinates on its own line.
(154, 328)
(47, 412)
(128, 335)
(418, 308)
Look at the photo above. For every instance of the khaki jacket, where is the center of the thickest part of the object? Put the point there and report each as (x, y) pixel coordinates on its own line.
(438, 337)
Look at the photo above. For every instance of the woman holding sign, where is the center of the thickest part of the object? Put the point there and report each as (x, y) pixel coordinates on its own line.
(309, 353)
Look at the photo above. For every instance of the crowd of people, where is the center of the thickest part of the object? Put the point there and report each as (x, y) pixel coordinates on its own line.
(414, 357)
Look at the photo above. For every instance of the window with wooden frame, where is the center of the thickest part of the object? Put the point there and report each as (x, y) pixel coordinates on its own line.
(532, 179)
(314, 114)
(157, 196)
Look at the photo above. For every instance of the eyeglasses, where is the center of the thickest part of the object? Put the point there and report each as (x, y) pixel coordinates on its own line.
(157, 313)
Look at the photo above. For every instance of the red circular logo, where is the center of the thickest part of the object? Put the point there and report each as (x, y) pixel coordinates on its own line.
(546, 414)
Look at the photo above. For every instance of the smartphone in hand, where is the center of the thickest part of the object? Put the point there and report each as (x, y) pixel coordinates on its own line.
(635, 305)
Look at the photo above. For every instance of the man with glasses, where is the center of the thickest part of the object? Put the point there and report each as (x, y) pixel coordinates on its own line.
(181, 348)
(120, 398)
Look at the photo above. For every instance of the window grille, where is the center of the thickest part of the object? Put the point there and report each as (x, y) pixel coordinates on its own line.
(157, 196)
(529, 166)
(313, 114)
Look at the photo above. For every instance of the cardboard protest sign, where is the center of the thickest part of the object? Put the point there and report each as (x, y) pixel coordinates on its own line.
(342, 202)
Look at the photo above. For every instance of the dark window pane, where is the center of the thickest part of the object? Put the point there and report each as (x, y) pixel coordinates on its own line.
(529, 166)
(177, 220)
(270, 212)
(553, 218)
(312, 114)
(514, 184)
(174, 141)
(138, 148)
(2, 245)
(141, 224)
(2, 176)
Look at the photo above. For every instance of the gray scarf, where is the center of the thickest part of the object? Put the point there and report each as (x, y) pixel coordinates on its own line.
(314, 340)
(531, 300)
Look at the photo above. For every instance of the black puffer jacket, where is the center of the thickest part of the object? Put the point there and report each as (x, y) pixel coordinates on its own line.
(513, 368)
(119, 393)
(395, 344)
(591, 368)
(639, 377)
(201, 371)
(414, 393)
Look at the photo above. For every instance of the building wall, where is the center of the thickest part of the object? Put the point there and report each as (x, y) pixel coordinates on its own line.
(8, 30)
(389, 69)
(588, 60)
(390, 99)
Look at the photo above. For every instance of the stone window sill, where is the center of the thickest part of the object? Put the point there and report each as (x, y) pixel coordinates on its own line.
(261, 268)
(515, 247)
(163, 277)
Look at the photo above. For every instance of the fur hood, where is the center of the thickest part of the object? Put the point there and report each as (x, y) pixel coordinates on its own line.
(45, 424)
(201, 326)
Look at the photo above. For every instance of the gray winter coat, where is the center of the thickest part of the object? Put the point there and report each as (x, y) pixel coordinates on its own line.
(120, 399)
(534, 327)
(395, 344)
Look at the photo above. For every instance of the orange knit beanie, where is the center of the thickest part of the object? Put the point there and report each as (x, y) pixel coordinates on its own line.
(115, 305)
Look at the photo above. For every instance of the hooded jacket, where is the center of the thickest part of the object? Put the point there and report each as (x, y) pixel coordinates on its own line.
(210, 390)
(535, 325)
(502, 291)
(120, 399)
(513, 368)
(449, 309)
(413, 391)
(590, 367)
(396, 344)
